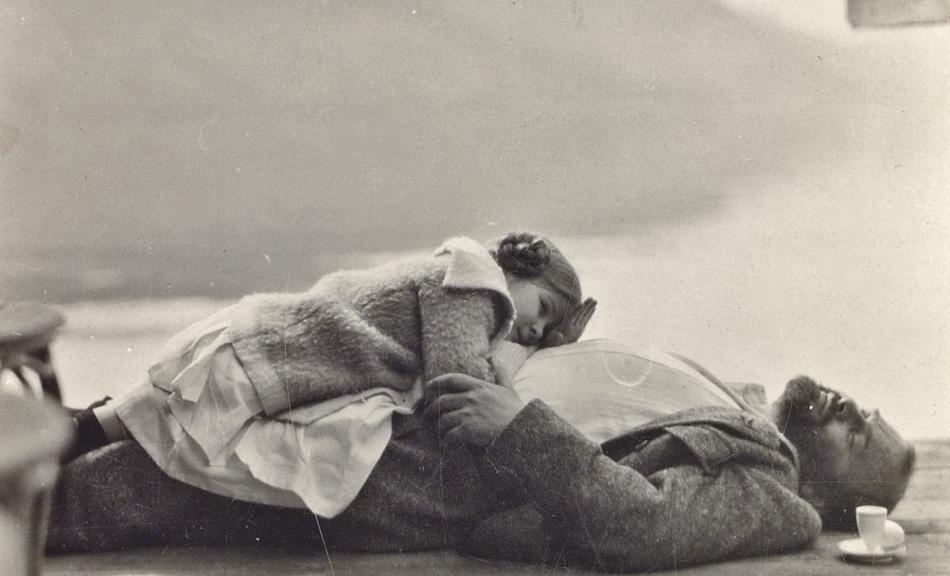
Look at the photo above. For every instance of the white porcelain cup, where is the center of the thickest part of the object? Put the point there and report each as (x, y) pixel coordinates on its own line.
(871, 526)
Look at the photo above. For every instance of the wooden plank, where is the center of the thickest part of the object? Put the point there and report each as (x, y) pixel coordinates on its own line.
(932, 452)
(925, 508)
(927, 484)
(926, 555)
(249, 561)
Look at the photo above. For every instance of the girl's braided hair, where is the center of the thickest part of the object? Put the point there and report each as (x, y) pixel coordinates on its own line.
(523, 254)
(533, 257)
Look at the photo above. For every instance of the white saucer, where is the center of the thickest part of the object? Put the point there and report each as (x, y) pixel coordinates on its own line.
(855, 549)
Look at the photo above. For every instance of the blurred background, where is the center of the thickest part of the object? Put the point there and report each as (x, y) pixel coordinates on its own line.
(751, 183)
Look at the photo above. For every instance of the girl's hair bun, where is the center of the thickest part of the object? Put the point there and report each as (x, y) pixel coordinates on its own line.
(523, 254)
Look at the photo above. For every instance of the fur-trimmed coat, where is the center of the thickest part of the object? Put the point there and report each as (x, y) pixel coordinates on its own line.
(383, 327)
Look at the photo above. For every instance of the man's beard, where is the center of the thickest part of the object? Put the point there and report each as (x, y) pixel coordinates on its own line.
(796, 415)
(796, 412)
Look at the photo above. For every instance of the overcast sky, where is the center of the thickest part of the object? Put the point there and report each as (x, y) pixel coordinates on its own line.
(336, 126)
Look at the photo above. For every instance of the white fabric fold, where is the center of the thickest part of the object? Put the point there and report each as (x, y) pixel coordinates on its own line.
(199, 419)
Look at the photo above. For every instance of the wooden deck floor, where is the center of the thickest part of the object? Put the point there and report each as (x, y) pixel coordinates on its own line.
(924, 514)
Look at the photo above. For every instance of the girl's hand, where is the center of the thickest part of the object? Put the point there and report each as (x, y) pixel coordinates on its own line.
(470, 410)
(574, 324)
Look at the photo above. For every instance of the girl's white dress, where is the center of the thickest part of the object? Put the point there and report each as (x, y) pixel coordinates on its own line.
(198, 418)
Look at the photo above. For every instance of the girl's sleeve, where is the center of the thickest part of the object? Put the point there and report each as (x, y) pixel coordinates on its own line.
(457, 330)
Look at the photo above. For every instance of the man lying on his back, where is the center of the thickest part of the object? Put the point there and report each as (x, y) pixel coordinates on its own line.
(663, 465)
(600, 454)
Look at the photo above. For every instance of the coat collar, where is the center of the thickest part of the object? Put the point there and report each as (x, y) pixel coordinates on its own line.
(471, 267)
(713, 431)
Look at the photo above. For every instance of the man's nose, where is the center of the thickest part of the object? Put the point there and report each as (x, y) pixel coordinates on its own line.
(847, 410)
(537, 329)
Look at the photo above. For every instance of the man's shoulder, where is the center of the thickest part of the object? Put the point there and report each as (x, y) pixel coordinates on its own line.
(751, 393)
(712, 433)
(742, 422)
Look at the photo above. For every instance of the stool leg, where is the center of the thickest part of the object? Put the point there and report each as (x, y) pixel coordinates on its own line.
(38, 484)
(39, 362)
(42, 503)
(18, 372)
(48, 380)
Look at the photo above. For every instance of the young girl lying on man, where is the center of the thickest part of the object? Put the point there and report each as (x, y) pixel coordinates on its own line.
(290, 397)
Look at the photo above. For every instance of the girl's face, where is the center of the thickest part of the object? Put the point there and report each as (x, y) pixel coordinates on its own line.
(535, 311)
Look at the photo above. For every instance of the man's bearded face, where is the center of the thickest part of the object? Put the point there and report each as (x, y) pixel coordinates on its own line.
(849, 454)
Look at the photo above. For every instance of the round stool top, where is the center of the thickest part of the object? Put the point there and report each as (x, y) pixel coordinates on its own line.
(32, 431)
(25, 327)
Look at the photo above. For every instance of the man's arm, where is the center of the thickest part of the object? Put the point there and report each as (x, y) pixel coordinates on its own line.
(587, 509)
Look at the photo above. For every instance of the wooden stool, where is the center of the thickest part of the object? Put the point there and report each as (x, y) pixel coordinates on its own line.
(26, 331)
(33, 434)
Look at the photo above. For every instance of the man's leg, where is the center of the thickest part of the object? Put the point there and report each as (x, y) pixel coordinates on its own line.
(117, 498)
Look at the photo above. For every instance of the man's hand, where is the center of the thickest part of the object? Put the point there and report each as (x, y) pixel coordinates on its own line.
(470, 410)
